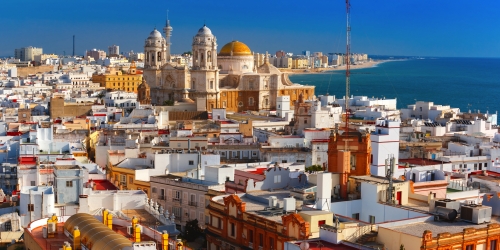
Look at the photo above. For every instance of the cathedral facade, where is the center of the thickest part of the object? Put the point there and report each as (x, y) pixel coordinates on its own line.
(229, 79)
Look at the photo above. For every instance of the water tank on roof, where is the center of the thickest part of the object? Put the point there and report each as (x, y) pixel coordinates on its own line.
(289, 204)
(443, 213)
(273, 201)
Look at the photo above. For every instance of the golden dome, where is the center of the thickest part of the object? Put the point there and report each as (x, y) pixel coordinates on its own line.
(235, 48)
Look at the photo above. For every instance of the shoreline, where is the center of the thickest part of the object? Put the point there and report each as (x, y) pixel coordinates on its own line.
(365, 65)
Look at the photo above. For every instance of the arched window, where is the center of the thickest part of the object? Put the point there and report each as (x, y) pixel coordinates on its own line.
(209, 56)
(159, 56)
(244, 67)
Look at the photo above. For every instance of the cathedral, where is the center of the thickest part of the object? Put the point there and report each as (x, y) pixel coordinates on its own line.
(230, 79)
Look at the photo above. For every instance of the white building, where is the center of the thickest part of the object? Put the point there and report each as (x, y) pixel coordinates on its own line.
(283, 106)
(427, 110)
(385, 144)
(121, 99)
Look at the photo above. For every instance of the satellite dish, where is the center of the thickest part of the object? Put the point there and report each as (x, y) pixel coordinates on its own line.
(304, 246)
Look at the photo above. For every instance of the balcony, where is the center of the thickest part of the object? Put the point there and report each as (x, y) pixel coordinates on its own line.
(175, 199)
(193, 203)
(162, 197)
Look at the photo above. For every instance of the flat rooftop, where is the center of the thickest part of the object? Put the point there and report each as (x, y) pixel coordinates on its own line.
(437, 227)
(256, 203)
(375, 179)
(324, 245)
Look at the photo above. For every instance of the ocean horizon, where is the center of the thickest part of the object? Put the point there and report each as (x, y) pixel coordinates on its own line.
(461, 82)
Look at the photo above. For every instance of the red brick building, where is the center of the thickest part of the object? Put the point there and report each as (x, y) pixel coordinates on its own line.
(243, 222)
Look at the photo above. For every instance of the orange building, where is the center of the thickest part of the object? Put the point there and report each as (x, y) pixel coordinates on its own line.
(349, 154)
(241, 222)
(470, 238)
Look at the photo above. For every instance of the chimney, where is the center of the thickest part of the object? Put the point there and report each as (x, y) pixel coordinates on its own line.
(137, 233)
(76, 239)
(110, 221)
(105, 216)
(164, 239)
(324, 191)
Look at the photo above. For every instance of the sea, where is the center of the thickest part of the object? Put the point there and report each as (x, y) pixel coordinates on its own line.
(465, 83)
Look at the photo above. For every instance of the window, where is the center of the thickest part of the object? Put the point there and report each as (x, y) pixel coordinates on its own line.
(493, 244)
(469, 247)
(250, 101)
(305, 121)
(233, 230)
(153, 190)
(177, 195)
(284, 161)
(321, 222)
(261, 240)
(224, 104)
(372, 219)
(131, 180)
(191, 162)
(277, 179)
(31, 207)
(355, 216)
(69, 183)
(250, 236)
(32, 183)
(162, 194)
(480, 166)
(211, 84)
(475, 166)
(271, 243)
(177, 212)
(353, 162)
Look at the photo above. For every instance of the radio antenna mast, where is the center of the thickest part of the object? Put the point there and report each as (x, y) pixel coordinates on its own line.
(347, 71)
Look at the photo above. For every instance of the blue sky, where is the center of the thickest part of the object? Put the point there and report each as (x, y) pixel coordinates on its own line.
(390, 27)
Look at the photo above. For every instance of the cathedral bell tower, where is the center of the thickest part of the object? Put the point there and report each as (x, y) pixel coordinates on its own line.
(155, 52)
(204, 73)
(168, 33)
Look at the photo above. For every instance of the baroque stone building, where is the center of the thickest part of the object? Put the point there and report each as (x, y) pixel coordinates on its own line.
(229, 79)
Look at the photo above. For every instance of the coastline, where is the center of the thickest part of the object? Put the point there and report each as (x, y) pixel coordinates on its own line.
(370, 64)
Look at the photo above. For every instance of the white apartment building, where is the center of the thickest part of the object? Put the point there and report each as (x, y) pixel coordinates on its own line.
(27, 53)
(427, 110)
(384, 144)
(120, 99)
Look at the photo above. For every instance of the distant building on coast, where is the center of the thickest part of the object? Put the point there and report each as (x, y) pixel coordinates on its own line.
(27, 53)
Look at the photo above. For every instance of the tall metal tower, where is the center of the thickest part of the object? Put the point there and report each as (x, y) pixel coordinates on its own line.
(347, 74)
(348, 62)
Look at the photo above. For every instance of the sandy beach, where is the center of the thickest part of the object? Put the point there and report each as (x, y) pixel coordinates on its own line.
(368, 64)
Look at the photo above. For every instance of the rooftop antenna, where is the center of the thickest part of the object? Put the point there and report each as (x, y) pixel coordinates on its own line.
(390, 164)
(347, 70)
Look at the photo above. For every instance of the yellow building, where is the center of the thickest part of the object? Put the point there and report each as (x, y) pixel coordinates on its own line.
(116, 80)
(124, 178)
(300, 63)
